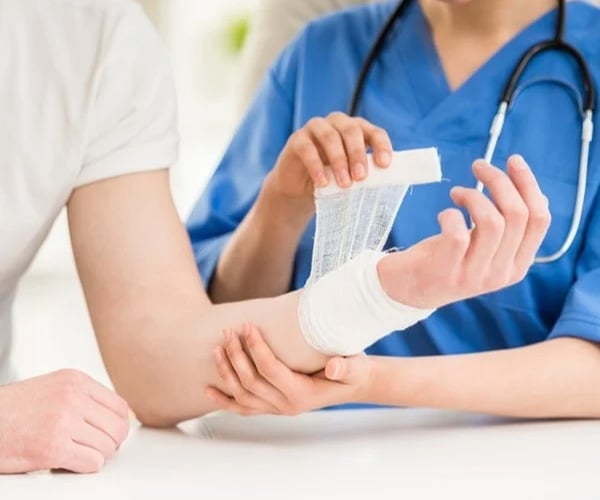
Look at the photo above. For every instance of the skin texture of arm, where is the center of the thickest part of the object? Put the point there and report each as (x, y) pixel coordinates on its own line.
(155, 326)
(553, 379)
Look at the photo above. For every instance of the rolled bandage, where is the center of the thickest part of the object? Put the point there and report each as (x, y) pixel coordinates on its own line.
(348, 310)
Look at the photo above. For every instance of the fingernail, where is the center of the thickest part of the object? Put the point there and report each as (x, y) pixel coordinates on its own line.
(519, 163)
(385, 158)
(336, 370)
(479, 164)
(344, 178)
(322, 180)
(359, 171)
(455, 190)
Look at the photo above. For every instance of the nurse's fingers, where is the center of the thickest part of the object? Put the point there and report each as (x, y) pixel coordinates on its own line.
(539, 214)
(234, 386)
(267, 364)
(248, 375)
(514, 210)
(303, 147)
(485, 237)
(380, 142)
(329, 142)
(226, 403)
(353, 136)
(455, 239)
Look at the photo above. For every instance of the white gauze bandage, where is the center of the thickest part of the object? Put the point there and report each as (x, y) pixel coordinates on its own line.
(343, 309)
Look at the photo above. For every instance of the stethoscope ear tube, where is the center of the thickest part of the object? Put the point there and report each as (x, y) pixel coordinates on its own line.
(589, 101)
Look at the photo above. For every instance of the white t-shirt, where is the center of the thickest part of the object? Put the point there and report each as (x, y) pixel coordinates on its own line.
(86, 93)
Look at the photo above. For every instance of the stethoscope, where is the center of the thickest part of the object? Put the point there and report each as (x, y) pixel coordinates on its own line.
(556, 43)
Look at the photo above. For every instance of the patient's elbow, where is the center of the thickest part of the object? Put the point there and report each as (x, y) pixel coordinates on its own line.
(158, 413)
(150, 417)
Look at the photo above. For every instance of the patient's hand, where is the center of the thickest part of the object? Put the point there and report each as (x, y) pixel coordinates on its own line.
(257, 382)
(62, 420)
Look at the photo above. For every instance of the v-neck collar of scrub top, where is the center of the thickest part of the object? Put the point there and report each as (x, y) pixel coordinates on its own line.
(436, 101)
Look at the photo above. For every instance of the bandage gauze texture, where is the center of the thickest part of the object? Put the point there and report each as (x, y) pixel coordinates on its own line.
(343, 308)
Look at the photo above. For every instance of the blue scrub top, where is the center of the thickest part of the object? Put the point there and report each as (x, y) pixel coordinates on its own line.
(407, 94)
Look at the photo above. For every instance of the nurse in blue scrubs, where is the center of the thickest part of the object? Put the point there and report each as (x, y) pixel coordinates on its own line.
(436, 82)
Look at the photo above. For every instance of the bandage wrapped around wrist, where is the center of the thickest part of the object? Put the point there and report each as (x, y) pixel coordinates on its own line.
(343, 308)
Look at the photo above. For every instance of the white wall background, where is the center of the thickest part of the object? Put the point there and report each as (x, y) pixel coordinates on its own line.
(52, 328)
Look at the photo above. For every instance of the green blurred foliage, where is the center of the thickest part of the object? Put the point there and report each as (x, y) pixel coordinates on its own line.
(236, 33)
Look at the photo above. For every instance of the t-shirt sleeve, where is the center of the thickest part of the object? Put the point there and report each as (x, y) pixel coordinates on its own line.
(580, 316)
(132, 121)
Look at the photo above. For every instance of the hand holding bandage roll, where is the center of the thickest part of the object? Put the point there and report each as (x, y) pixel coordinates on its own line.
(344, 308)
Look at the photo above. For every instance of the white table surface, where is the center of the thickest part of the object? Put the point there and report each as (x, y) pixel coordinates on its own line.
(400, 454)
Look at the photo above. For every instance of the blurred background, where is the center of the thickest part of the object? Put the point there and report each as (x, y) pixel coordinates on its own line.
(52, 328)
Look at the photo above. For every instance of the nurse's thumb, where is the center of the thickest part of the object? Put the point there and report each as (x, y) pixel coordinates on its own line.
(346, 370)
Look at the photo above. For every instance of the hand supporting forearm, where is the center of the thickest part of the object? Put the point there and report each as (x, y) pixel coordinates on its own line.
(164, 377)
(553, 379)
(258, 260)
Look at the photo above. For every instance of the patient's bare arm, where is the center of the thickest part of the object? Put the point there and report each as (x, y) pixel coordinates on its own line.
(155, 326)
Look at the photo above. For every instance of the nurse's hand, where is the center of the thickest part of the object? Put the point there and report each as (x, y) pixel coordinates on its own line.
(257, 382)
(339, 141)
(63, 420)
(460, 262)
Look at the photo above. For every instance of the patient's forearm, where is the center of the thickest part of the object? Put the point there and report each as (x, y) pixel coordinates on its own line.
(164, 371)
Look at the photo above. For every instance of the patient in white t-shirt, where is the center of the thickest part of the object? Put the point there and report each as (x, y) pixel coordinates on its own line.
(88, 121)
